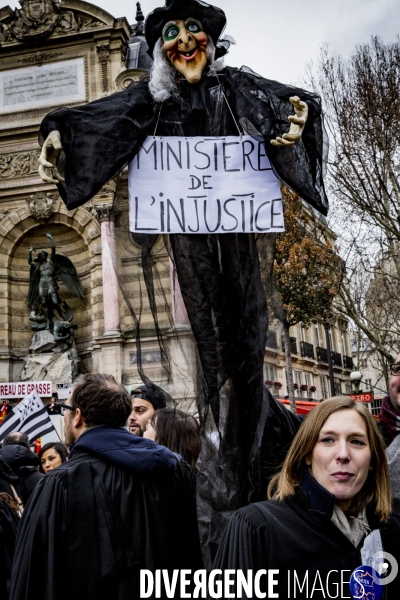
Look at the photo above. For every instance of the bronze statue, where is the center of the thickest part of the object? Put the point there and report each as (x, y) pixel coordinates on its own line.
(43, 298)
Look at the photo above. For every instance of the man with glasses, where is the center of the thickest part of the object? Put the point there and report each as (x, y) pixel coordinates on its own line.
(120, 504)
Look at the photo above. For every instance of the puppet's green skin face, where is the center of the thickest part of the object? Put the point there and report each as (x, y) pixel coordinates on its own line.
(185, 45)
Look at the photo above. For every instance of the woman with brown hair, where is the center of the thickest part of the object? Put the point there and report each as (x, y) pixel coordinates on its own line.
(177, 431)
(329, 509)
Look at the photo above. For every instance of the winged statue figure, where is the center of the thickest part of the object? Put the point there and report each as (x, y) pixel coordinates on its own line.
(43, 298)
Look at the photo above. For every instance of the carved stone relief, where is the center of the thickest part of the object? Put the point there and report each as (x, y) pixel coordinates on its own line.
(36, 20)
(103, 212)
(103, 207)
(129, 76)
(40, 57)
(19, 163)
(107, 190)
(42, 205)
(91, 24)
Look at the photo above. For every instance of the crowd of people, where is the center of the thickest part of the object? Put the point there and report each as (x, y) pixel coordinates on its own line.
(84, 518)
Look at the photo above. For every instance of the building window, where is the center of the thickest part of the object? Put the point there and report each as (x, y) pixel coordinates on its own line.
(338, 386)
(364, 363)
(269, 373)
(308, 380)
(368, 384)
(133, 59)
(344, 351)
(298, 380)
(348, 388)
(331, 338)
(324, 389)
(317, 337)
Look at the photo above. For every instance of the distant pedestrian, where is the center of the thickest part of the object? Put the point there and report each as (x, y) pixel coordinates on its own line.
(53, 408)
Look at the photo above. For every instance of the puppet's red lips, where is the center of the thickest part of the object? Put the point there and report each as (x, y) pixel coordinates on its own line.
(189, 55)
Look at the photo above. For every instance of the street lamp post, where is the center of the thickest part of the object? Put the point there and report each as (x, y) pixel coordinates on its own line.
(355, 377)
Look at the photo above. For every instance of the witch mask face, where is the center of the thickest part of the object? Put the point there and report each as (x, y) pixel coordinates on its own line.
(185, 45)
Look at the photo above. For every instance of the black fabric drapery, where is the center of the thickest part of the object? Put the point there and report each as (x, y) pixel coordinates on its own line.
(219, 275)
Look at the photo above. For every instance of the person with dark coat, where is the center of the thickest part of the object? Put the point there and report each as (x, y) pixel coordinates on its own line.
(389, 416)
(120, 504)
(389, 426)
(9, 519)
(53, 408)
(330, 510)
(23, 462)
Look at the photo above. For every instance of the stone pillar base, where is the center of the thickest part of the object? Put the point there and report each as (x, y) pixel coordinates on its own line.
(62, 367)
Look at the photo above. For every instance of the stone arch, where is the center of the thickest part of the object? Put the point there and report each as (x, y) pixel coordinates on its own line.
(77, 234)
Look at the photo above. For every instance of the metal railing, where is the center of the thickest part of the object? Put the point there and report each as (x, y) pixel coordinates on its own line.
(322, 355)
(307, 350)
(337, 359)
(293, 345)
(348, 363)
(272, 340)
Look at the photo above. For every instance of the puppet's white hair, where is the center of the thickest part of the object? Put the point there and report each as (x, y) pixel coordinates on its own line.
(162, 77)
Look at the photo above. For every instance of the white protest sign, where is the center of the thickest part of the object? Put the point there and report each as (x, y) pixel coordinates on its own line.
(63, 390)
(20, 389)
(204, 185)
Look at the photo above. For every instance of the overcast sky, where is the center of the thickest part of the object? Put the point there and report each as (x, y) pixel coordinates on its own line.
(277, 37)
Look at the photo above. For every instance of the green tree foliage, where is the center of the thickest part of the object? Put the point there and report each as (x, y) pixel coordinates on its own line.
(307, 272)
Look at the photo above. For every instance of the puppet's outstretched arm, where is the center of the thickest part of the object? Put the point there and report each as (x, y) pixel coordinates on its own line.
(297, 123)
(48, 158)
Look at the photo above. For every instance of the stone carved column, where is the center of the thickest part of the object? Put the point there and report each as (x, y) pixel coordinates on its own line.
(103, 51)
(105, 214)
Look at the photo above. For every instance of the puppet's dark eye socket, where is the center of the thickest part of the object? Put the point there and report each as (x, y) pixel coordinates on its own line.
(193, 27)
(171, 33)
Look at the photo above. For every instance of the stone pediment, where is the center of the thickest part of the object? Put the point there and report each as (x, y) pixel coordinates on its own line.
(37, 20)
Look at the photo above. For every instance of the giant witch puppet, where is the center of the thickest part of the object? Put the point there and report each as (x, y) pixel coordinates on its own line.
(191, 93)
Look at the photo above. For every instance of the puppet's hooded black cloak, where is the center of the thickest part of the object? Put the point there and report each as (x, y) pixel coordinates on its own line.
(101, 137)
(120, 504)
(219, 275)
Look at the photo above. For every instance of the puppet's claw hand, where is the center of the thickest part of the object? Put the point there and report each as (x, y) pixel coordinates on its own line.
(297, 124)
(48, 159)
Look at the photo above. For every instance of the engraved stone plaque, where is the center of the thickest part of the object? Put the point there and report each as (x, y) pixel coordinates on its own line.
(58, 83)
(147, 357)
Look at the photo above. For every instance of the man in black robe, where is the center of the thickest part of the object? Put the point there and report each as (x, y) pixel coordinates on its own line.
(191, 93)
(121, 503)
